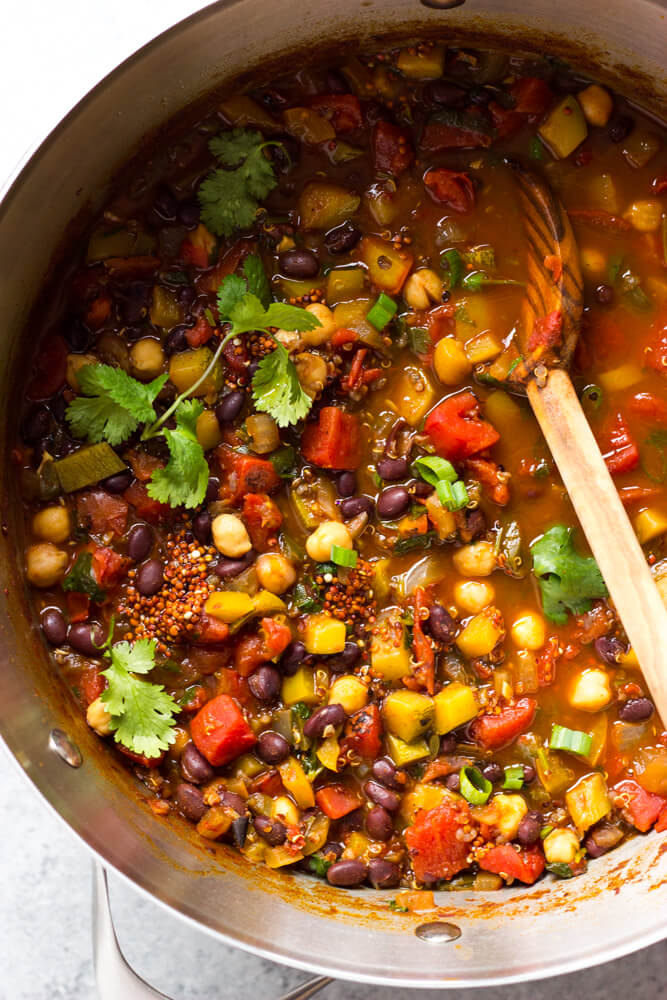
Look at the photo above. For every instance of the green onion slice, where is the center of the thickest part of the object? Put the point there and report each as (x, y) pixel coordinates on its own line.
(454, 262)
(382, 311)
(514, 776)
(343, 557)
(572, 740)
(474, 786)
(432, 468)
(460, 494)
(592, 395)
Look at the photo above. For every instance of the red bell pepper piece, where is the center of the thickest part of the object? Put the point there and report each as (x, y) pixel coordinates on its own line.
(200, 333)
(547, 332)
(343, 336)
(145, 506)
(243, 474)
(342, 110)
(196, 256)
(101, 512)
(109, 566)
(434, 843)
(99, 310)
(91, 684)
(526, 865)
(50, 369)
(363, 732)
(639, 807)
(276, 637)
(495, 731)
(230, 683)
(532, 95)
(661, 822)
(253, 650)
(337, 800)
(630, 495)
(506, 121)
(649, 407)
(262, 518)
(269, 783)
(451, 188)
(456, 430)
(332, 442)
(489, 474)
(220, 732)
(440, 322)
(392, 148)
(139, 758)
(439, 135)
(619, 448)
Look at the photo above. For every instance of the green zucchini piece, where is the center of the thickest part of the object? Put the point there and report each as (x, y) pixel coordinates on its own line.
(565, 127)
(87, 466)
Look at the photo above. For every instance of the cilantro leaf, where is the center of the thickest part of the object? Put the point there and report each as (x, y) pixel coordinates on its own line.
(276, 389)
(142, 714)
(234, 288)
(229, 198)
(81, 580)
(288, 317)
(184, 478)
(568, 581)
(248, 314)
(230, 293)
(255, 275)
(113, 403)
(318, 865)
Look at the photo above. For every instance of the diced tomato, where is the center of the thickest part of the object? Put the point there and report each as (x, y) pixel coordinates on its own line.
(630, 495)
(526, 865)
(196, 698)
(236, 356)
(200, 333)
(230, 683)
(492, 478)
(605, 339)
(547, 333)
(337, 800)
(99, 310)
(436, 847)
(143, 464)
(363, 732)
(197, 256)
(451, 188)
(243, 474)
(78, 606)
(139, 758)
(100, 512)
(495, 731)
(438, 136)
(253, 650)
(440, 322)
(422, 650)
(649, 407)
(661, 822)
(456, 429)
(341, 337)
(262, 518)
(639, 807)
(332, 442)
(145, 506)
(276, 637)
(228, 264)
(532, 95)
(656, 353)
(619, 448)
(220, 731)
(506, 121)
(109, 566)
(269, 783)
(91, 685)
(342, 110)
(50, 368)
(211, 632)
(392, 148)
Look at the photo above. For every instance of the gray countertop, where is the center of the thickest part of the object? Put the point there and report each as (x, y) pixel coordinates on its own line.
(50, 54)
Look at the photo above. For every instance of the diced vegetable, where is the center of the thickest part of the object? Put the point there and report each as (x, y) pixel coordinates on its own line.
(403, 753)
(390, 658)
(523, 865)
(408, 714)
(456, 429)
(324, 635)
(87, 466)
(333, 441)
(481, 635)
(300, 687)
(337, 800)
(186, 368)
(324, 206)
(454, 706)
(387, 267)
(588, 801)
(434, 841)
(295, 781)
(564, 128)
(220, 732)
(495, 731)
(413, 394)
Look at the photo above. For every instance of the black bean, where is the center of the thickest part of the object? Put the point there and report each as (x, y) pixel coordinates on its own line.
(190, 801)
(440, 624)
(86, 638)
(347, 874)
(188, 213)
(271, 830)
(475, 523)
(227, 569)
(346, 484)
(201, 526)
(529, 829)
(194, 766)
(212, 490)
(453, 782)
(382, 796)
(392, 468)
(331, 850)
(421, 489)
(493, 772)
(35, 424)
(353, 506)
(139, 541)
(265, 683)
(186, 295)
(604, 294)
(602, 838)
(176, 341)
(150, 577)
(328, 715)
(239, 830)
(292, 658)
(119, 482)
(54, 626)
(383, 874)
(479, 96)
(449, 95)
(385, 770)
(636, 710)
(230, 406)
(379, 824)
(298, 263)
(233, 801)
(340, 662)
(272, 748)
(348, 824)
(620, 127)
(609, 648)
(529, 773)
(393, 502)
(342, 238)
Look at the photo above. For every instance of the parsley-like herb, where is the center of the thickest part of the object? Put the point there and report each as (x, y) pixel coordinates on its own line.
(81, 580)
(415, 542)
(230, 195)
(318, 866)
(283, 461)
(393, 905)
(567, 580)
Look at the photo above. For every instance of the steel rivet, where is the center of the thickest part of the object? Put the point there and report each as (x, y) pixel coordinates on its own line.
(442, 4)
(438, 932)
(60, 744)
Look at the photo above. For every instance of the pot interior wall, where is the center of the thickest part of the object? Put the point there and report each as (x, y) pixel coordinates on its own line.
(510, 935)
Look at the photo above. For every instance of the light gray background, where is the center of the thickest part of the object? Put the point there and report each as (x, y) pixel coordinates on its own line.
(51, 53)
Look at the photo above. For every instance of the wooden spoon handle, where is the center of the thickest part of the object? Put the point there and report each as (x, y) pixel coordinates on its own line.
(606, 526)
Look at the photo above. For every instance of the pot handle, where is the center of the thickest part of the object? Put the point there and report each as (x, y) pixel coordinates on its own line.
(116, 980)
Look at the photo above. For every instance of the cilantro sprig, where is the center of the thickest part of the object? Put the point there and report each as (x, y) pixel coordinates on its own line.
(142, 713)
(568, 581)
(113, 404)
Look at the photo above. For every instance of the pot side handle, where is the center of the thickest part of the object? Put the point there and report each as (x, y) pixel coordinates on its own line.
(115, 979)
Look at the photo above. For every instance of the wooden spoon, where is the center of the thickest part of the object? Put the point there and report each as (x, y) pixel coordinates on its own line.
(555, 284)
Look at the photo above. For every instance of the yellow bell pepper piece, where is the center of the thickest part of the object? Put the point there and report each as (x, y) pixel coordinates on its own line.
(295, 781)
(327, 753)
(229, 605)
(301, 686)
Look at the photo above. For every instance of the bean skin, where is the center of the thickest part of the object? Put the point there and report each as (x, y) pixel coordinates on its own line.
(118, 483)
(292, 658)
(86, 638)
(529, 773)
(620, 127)
(353, 506)
(150, 577)
(529, 829)
(265, 683)
(233, 801)
(328, 715)
(636, 710)
(271, 830)
(609, 648)
(447, 95)
(393, 502)
(340, 662)
(176, 341)
(54, 626)
(201, 526)
(298, 263)
(346, 484)
(347, 874)
(379, 824)
(453, 782)
(392, 468)
(272, 748)
(440, 624)
(383, 874)
(385, 771)
(342, 238)
(493, 772)
(227, 569)
(238, 830)
(194, 767)
(230, 406)
(139, 542)
(212, 489)
(190, 801)
(382, 796)
(35, 424)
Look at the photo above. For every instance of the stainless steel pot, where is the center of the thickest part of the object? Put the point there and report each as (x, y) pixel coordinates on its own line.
(620, 904)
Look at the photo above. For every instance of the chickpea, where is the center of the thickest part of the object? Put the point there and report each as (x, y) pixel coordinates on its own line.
(322, 333)
(208, 430)
(644, 215)
(475, 559)
(74, 363)
(52, 524)
(422, 288)
(45, 564)
(230, 536)
(275, 573)
(450, 361)
(529, 632)
(561, 846)
(473, 595)
(147, 358)
(312, 372)
(98, 717)
(596, 104)
(318, 544)
(591, 691)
